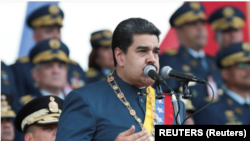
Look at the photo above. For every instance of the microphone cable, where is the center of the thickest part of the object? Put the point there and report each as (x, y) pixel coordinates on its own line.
(204, 106)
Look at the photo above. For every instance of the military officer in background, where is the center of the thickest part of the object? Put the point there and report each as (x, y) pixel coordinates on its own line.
(122, 107)
(100, 59)
(227, 23)
(49, 60)
(7, 116)
(46, 22)
(233, 106)
(189, 22)
(38, 119)
(8, 81)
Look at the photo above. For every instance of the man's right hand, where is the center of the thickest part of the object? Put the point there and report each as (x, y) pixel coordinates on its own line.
(129, 135)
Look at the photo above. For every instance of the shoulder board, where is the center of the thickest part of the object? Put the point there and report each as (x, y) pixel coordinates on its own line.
(23, 59)
(73, 62)
(171, 51)
(91, 72)
(25, 99)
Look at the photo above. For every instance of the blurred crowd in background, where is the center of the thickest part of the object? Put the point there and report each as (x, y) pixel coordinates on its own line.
(49, 71)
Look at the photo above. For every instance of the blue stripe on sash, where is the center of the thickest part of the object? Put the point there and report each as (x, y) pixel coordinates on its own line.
(159, 109)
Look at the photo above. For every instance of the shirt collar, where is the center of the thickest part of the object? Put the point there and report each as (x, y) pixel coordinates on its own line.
(125, 86)
(196, 54)
(45, 93)
(238, 98)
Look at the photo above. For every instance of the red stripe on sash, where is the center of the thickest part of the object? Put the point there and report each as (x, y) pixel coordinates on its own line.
(168, 110)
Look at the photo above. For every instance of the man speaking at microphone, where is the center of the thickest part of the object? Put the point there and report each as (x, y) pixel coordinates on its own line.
(122, 107)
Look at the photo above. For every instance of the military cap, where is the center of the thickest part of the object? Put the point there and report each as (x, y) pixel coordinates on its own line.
(49, 50)
(49, 15)
(39, 111)
(101, 38)
(233, 54)
(6, 104)
(188, 12)
(227, 18)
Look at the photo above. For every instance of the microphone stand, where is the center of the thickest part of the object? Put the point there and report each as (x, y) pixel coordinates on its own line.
(186, 91)
(159, 91)
(174, 99)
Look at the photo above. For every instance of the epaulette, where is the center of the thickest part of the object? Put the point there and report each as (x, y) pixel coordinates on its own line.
(25, 99)
(73, 62)
(171, 51)
(91, 72)
(24, 59)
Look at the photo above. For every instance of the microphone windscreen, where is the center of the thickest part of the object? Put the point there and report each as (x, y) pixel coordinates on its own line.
(165, 71)
(148, 68)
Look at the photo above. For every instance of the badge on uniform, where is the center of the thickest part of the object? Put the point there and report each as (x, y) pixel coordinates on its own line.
(53, 106)
(76, 81)
(231, 118)
(4, 77)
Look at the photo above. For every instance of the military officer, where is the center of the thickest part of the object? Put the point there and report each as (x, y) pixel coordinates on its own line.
(49, 60)
(227, 23)
(46, 22)
(122, 106)
(100, 59)
(7, 116)
(233, 106)
(38, 119)
(8, 81)
(189, 23)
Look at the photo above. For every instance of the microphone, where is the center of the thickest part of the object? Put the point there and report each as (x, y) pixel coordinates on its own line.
(167, 72)
(150, 71)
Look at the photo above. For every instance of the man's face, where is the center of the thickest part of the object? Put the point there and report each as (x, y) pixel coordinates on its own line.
(44, 133)
(46, 32)
(51, 74)
(193, 34)
(7, 129)
(238, 75)
(143, 51)
(105, 57)
(230, 37)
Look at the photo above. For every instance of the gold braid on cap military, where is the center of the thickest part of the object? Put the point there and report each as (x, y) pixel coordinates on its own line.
(41, 110)
(6, 110)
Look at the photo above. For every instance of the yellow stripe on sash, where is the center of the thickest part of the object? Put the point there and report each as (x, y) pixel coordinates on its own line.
(148, 122)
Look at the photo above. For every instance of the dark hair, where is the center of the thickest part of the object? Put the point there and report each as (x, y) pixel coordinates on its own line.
(92, 59)
(123, 34)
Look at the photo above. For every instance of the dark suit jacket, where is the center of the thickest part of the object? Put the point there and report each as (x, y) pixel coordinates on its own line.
(95, 113)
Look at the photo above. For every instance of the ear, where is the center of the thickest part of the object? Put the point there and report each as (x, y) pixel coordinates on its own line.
(28, 137)
(35, 35)
(35, 75)
(225, 74)
(119, 56)
(177, 30)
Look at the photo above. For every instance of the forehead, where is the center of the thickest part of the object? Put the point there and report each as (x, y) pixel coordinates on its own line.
(52, 63)
(145, 40)
(47, 28)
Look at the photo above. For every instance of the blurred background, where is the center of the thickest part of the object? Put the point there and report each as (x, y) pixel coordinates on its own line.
(81, 19)
(84, 17)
